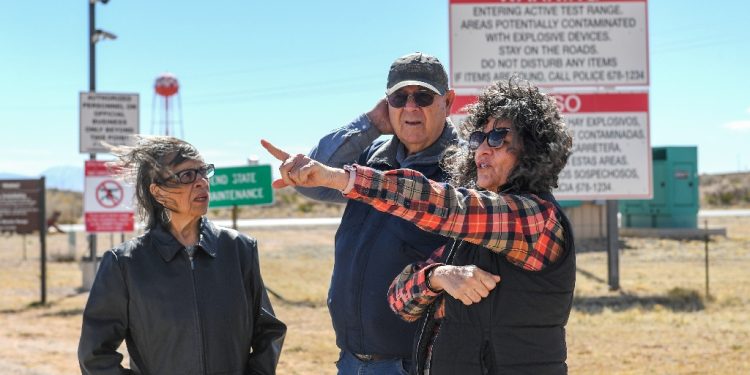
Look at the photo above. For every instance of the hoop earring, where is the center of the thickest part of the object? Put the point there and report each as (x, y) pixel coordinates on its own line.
(166, 217)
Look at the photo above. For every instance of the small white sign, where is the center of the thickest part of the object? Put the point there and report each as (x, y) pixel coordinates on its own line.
(549, 43)
(107, 117)
(108, 202)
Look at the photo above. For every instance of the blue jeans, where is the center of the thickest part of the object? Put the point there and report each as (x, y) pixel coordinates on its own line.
(348, 364)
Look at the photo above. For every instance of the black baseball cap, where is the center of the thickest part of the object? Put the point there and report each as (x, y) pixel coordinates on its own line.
(418, 69)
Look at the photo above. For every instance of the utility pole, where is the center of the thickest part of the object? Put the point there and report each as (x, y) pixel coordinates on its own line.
(92, 88)
(93, 37)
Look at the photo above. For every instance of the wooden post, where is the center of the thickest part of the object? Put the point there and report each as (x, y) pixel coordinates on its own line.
(708, 295)
(43, 240)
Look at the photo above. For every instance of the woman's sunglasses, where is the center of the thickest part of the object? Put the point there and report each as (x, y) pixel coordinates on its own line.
(422, 98)
(495, 138)
(188, 176)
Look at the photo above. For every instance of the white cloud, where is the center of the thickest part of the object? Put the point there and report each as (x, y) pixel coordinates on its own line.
(742, 125)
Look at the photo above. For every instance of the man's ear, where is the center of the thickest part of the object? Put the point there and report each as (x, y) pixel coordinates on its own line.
(450, 96)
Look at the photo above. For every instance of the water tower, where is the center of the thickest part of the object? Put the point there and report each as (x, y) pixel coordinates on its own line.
(166, 111)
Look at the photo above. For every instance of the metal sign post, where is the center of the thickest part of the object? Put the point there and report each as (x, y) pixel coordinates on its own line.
(613, 254)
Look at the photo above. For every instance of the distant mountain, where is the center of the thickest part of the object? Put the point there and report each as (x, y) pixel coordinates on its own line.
(64, 178)
(11, 176)
(61, 178)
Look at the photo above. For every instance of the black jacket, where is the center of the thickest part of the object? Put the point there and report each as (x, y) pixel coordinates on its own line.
(518, 329)
(209, 317)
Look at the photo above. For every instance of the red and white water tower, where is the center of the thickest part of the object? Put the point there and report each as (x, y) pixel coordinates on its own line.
(167, 106)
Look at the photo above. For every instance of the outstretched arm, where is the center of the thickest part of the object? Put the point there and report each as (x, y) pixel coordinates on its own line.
(524, 228)
(345, 145)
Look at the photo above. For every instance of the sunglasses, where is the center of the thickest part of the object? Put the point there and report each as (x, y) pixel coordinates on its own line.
(495, 138)
(421, 98)
(188, 176)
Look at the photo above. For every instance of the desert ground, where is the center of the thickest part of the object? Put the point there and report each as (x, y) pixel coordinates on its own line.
(659, 322)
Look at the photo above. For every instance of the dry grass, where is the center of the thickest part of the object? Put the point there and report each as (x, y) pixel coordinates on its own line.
(658, 323)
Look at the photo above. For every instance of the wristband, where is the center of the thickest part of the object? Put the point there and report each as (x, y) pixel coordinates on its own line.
(352, 176)
(427, 280)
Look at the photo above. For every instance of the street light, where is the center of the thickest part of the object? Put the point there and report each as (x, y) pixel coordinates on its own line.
(101, 34)
(95, 35)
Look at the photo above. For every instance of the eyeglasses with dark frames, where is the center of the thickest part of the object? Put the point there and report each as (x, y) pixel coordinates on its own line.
(495, 138)
(422, 98)
(188, 176)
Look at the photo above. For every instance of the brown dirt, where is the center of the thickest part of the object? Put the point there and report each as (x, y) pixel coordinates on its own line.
(659, 322)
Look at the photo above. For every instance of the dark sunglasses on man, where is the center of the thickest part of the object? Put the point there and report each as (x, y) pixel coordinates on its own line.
(422, 98)
(188, 176)
(495, 138)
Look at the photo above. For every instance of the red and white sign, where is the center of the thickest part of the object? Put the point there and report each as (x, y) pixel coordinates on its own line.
(551, 43)
(611, 156)
(108, 202)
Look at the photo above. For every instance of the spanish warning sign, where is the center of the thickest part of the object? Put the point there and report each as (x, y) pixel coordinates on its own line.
(549, 43)
(611, 156)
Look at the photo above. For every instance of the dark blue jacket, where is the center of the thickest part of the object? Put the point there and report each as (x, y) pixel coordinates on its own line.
(371, 249)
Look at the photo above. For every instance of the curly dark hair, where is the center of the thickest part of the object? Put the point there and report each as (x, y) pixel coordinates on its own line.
(145, 163)
(541, 139)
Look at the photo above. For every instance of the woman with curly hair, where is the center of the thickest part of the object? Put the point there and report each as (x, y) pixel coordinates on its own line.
(499, 208)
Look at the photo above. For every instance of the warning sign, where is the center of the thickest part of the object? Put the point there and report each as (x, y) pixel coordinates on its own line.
(611, 156)
(108, 203)
(551, 43)
(109, 193)
(110, 118)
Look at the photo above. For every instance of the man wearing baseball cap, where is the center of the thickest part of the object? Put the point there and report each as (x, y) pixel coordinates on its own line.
(371, 247)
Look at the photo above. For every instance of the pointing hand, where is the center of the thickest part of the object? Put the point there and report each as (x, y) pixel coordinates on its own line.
(301, 170)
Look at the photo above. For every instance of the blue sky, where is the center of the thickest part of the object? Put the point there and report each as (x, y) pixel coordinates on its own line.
(289, 71)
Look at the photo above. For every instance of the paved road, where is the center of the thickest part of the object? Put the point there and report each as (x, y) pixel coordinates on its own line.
(334, 221)
(252, 223)
(717, 213)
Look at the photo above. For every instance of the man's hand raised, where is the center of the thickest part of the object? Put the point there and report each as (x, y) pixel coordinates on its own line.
(300, 170)
(380, 118)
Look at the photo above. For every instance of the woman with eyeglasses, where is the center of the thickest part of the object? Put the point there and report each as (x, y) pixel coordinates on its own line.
(499, 208)
(187, 296)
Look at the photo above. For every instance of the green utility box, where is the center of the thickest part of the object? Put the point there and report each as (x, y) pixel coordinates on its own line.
(676, 202)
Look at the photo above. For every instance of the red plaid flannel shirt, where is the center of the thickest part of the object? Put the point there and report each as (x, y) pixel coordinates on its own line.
(523, 227)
